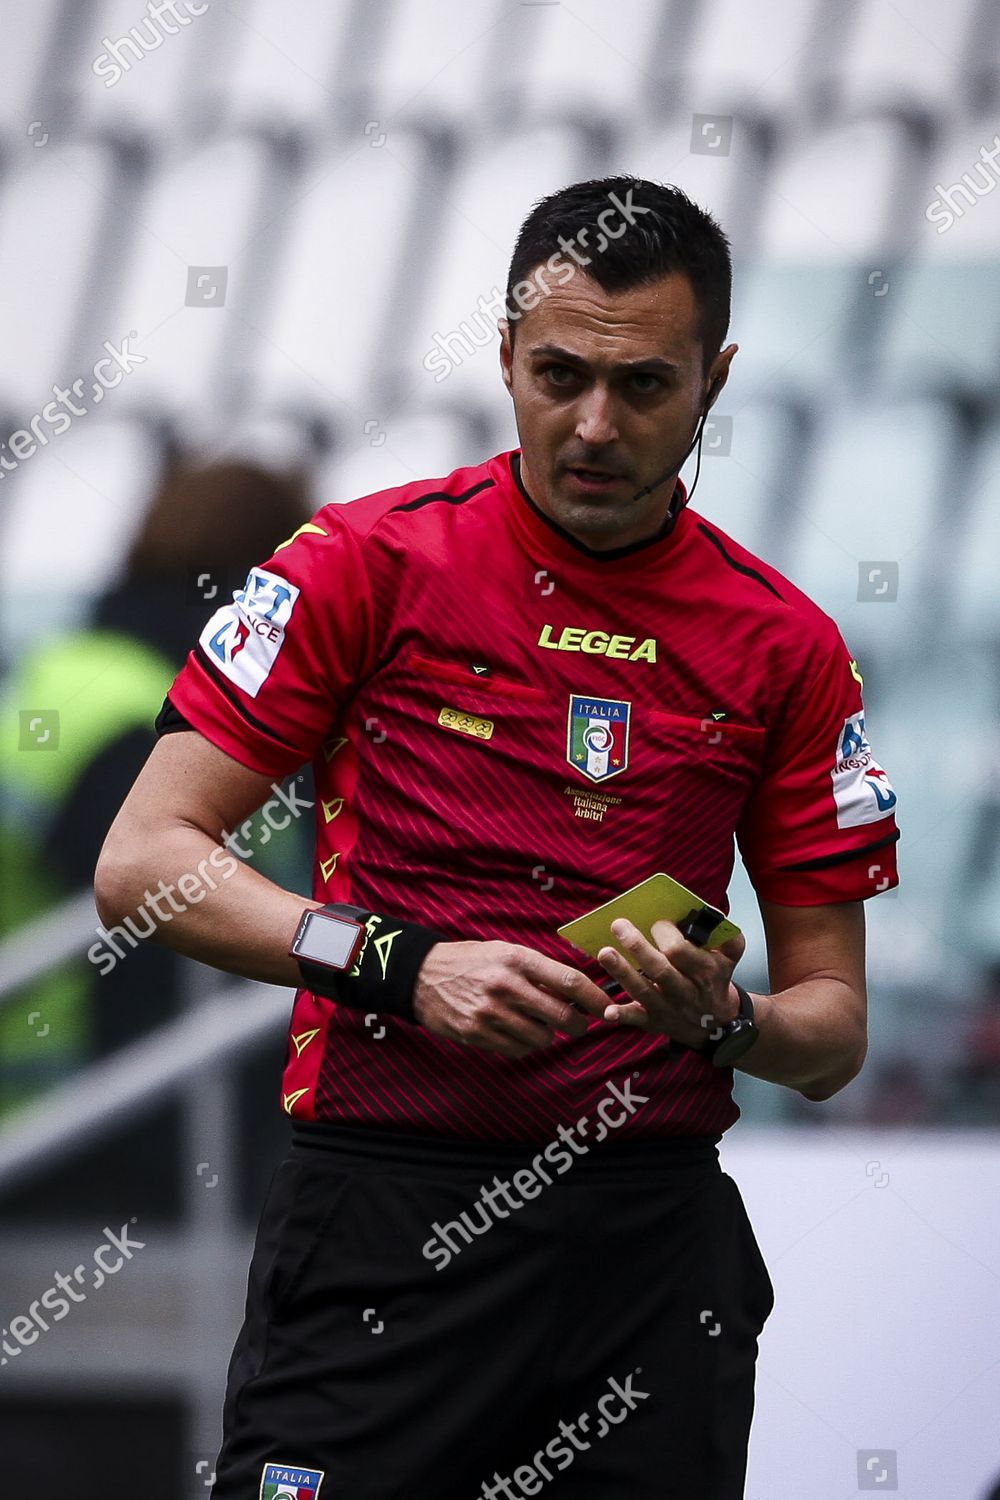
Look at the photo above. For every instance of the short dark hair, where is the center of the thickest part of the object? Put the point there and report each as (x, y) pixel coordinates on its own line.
(673, 235)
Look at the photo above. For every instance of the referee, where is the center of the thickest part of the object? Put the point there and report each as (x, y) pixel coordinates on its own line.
(501, 1257)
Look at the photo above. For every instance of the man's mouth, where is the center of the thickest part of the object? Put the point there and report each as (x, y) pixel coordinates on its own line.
(593, 479)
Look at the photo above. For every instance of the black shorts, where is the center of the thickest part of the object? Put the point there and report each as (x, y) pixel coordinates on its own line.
(591, 1336)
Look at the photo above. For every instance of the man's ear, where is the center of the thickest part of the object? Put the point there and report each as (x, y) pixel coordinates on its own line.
(506, 352)
(720, 374)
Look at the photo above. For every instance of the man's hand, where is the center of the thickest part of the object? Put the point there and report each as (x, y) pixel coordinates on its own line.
(502, 996)
(682, 990)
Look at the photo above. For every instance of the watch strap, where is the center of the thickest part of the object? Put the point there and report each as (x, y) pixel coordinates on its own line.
(723, 1049)
(384, 974)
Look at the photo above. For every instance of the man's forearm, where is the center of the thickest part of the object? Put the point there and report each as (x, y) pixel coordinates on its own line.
(204, 902)
(809, 1038)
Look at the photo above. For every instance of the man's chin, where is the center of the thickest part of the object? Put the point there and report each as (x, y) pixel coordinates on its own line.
(597, 521)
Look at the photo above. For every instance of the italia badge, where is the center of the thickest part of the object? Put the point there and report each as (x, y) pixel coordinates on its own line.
(290, 1482)
(597, 736)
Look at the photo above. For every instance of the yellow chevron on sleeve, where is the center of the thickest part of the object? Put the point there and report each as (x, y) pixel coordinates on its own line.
(308, 527)
(856, 674)
(290, 1100)
(303, 1039)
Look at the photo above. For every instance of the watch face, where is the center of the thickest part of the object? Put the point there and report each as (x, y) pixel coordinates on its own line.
(328, 940)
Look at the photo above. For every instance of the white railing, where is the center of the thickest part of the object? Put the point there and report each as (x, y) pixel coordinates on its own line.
(192, 1056)
(46, 942)
(105, 1094)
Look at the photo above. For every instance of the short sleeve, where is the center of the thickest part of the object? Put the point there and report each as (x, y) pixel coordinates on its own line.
(820, 825)
(273, 668)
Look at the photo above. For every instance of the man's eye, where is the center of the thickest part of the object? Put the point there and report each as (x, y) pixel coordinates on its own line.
(556, 372)
(654, 382)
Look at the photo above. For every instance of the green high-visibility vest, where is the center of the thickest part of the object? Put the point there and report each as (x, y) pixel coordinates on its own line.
(68, 700)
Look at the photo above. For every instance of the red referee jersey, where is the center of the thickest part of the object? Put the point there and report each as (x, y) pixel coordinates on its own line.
(507, 729)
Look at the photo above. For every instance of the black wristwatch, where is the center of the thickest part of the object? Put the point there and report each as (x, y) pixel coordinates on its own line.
(735, 1037)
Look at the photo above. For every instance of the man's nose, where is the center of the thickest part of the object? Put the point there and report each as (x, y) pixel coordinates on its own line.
(595, 423)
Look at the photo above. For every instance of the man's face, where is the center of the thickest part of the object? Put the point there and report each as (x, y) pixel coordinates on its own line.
(608, 389)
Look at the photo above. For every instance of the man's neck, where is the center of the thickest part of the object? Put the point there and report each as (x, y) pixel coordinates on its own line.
(654, 529)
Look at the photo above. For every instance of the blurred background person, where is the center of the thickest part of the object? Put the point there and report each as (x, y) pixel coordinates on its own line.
(204, 527)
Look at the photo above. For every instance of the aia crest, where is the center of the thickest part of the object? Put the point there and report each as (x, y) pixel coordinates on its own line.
(597, 736)
(290, 1482)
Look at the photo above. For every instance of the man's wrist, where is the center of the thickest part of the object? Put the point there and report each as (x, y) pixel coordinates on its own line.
(385, 956)
(712, 1029)
(728, 1041)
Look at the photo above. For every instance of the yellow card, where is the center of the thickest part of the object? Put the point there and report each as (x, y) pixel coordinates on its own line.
(650, 901)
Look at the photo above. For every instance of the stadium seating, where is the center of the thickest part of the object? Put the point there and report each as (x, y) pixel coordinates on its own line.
(24, 65)
(450, 345)
(288, 68)
(344, 294)
(751, 454)
(917, 58)
(753, 59)
(410, 446)
(104, 469)
(727, 183)
(589, 59)
(56, 220)
(200, 212)
(944, 316)
(435, 63)
(804, 301)
(974, 592)
(146, 79)
(864, 539)
(933, 726)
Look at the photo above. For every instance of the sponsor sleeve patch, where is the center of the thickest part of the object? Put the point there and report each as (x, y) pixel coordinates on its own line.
(861, 788)
(243, 638)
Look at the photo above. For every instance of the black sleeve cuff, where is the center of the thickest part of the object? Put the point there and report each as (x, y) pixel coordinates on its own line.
(170, 719)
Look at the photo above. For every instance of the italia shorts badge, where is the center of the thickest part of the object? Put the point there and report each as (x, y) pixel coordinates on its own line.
(597, 736)
(290, 1482)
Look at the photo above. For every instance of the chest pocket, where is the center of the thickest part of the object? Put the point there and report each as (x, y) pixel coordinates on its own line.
(700, 757)
(466, 684)
(501, 712)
